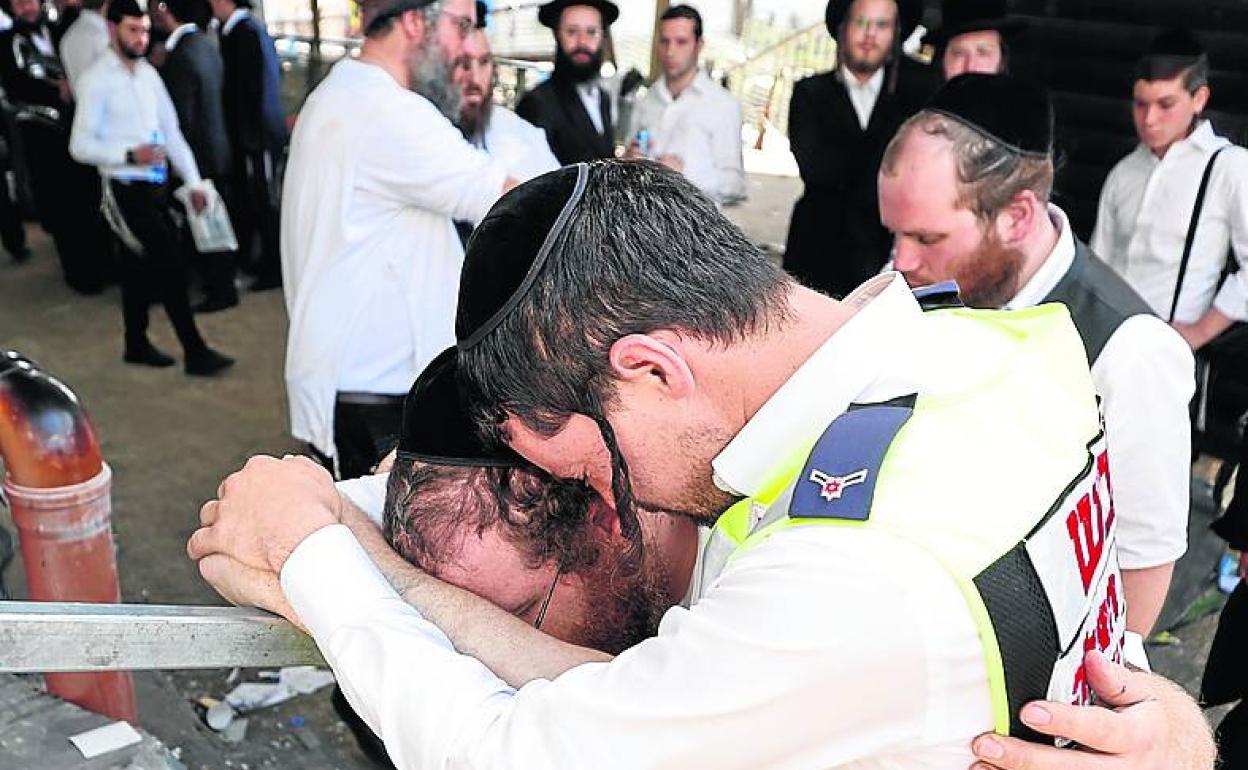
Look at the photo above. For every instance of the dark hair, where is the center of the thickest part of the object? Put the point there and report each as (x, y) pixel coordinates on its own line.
(1193, 69)
(643, 250)
(93, 5)
(685, 12)
(1004, 45)
(431, 509)
(118, 9)
(197, 12)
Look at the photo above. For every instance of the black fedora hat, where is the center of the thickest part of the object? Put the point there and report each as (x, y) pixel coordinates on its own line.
(549, 13)
(957, 17)
(909, 13)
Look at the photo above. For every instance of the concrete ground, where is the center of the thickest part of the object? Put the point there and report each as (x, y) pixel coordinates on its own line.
(170, 439)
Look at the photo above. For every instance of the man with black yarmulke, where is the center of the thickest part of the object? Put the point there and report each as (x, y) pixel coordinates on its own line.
(964, 188)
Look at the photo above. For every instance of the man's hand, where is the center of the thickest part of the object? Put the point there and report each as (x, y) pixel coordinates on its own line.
(247, 587)
(1200, 333)
(265, 511)
(633, 151)
(1153, 725)
(199, 201)
(148, 154)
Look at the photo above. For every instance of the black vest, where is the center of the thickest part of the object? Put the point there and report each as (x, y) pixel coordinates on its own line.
(1098, 299)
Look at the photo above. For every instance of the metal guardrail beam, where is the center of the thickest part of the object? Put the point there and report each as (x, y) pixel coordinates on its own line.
(55, 636)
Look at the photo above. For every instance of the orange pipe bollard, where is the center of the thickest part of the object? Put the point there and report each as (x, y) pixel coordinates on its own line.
(58, 489)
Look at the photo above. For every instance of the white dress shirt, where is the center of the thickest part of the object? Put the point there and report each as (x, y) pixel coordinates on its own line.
(120, 108)
(703, 128)
(1145, 209)
(519, 145)
(370, 258)
(822, 647)
(590, 94)
(177, 34)
(85, 42)
(863, 96)
(1144, 369)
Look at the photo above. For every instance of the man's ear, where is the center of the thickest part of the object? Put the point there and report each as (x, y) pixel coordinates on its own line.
(414, 24)
(1200, 99)
(603, 518)
(1016, 221)
(652, 359)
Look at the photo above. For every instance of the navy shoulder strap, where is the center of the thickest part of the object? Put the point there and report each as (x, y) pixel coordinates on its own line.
(838, 480)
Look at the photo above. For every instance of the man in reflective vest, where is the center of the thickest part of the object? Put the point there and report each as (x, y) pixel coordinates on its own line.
(613, 326)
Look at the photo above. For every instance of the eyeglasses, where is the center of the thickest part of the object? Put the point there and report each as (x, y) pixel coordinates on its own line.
(593, 33)
(550, 592)
(463, 24)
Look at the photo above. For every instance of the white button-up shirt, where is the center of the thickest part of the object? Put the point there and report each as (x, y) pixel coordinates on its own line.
(120, 109)
(519, 145)
(703, 128)
(591, 97)
(176, 36)
(863, 96)
(1144, 369)
(796, 628)
(1145, 210)
(370, 258)
(84, 43)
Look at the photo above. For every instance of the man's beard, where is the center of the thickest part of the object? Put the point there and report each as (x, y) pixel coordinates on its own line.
(475, 119)
(22, 25)
(431, 78)
(129, 52)
(567, 69)
(628, 602)
(698, 498)
(988, 277)
(862, 66)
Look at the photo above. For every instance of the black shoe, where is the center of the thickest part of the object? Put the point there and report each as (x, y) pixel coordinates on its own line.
(148, 355)
(215, 304)
(207, 362)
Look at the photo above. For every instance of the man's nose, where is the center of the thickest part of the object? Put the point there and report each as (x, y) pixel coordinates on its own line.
(905, 257)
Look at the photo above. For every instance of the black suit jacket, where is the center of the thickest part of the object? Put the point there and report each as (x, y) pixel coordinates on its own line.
(193, 75)
(835, 238)
(26, 74)
(253, 112)
(557, 108)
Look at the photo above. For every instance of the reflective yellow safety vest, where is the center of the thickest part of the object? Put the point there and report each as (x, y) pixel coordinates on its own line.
(1006, 485)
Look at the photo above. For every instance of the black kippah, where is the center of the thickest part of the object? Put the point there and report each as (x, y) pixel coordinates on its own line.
(1014, 112)
(508, 249)
(436, 426)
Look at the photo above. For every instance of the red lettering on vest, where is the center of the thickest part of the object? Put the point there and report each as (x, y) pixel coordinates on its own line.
(1103, 637)
(1087, 524)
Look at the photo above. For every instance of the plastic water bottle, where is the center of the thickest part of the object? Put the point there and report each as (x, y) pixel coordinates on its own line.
(643, 142)
(158, 172)
(1228, 573)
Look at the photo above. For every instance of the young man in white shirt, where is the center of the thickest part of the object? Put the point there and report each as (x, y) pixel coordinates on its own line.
(964, 188)
(127, 127)
(1147, 203)
(694, 125)
(370, 257)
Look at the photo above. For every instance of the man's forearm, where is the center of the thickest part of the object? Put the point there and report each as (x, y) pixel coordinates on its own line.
(1146, 593)
(515, 651)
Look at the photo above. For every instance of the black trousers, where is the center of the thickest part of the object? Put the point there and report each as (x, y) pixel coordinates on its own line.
(255, 214)
(365, 432)
(67, 202)
(159, 274)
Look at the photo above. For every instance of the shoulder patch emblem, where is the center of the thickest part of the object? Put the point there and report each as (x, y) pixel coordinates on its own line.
(832, 487)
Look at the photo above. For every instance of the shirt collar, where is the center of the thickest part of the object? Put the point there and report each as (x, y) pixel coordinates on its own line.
(588, 88)
(232, 22)
(852, 365)
(1054, 268)
(697, 85)
(176, 36)
(873, 86)
(1202, 139)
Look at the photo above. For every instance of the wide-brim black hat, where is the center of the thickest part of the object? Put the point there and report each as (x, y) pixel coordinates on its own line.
(549, 13)
(1014, 112)
(909, 14)
(502, 260)
(957, 17)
